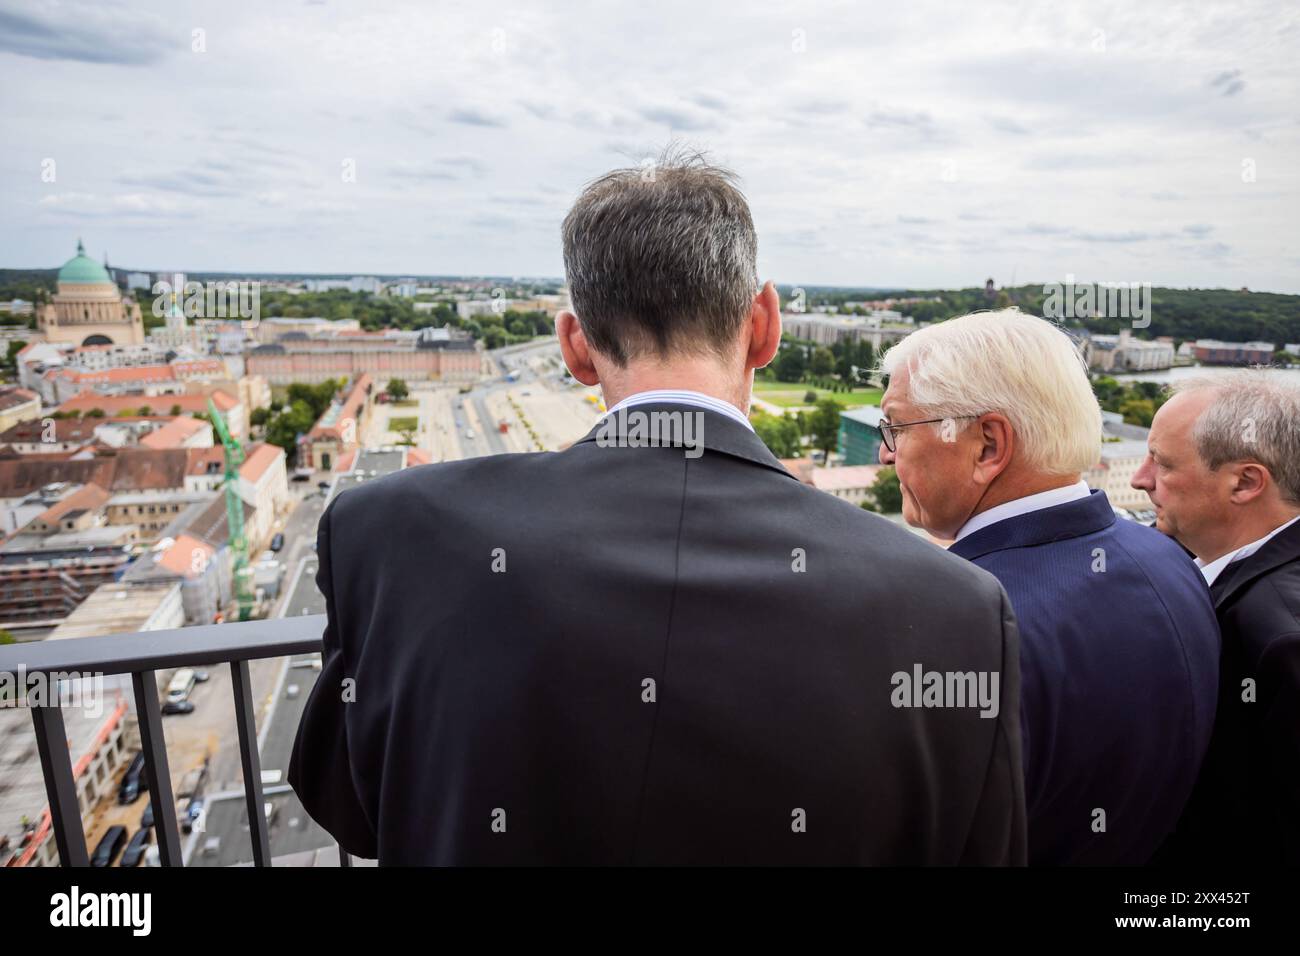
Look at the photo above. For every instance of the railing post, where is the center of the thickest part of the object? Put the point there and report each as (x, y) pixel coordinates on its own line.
(155, 767)
(247, 724)
(60, 788)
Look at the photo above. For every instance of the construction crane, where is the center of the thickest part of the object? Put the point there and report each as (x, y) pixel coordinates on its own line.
(243, 574)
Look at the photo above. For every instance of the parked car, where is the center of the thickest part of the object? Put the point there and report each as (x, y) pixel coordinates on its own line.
(109, 846)
(178, 707)
(291, 691)
(193, 810)
(134, 852)
(200, 676)
(134, 781)
(146, 818)
(182, 683)
(277, 541)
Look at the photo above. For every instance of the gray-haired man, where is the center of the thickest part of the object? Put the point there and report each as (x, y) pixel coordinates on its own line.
(1223, 472)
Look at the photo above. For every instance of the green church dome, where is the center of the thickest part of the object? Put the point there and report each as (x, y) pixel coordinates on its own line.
(83, 269)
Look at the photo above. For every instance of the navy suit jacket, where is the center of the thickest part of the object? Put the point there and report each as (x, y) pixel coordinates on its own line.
(1119, 676)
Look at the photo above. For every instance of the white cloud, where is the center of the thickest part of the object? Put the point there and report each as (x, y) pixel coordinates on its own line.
(925, 144)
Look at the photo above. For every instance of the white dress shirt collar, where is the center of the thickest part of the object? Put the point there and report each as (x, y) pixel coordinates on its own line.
(683, 396)
(1023, 506)
(1215, 567)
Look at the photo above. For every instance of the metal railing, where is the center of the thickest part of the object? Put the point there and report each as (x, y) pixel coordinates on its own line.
(141, 655)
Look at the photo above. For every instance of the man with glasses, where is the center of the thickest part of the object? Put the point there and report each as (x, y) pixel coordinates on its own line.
(990, 421)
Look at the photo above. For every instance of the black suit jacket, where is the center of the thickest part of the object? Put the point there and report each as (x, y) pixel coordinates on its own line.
(1246, 804)
(609, 655)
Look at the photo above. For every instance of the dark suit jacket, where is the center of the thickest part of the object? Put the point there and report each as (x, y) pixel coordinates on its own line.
(1118, 675)
(1246, 806)
(649, 679)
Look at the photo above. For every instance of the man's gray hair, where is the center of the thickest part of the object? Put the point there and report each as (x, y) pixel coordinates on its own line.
(661, 259)
(1254, 416)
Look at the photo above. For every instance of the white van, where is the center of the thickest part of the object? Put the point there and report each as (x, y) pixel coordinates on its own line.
(182, 683)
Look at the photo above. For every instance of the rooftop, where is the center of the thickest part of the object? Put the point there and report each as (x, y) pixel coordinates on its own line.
(83, 270)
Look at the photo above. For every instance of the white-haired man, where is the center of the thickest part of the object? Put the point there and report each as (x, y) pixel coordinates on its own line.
(990, 422)
(1223, 472)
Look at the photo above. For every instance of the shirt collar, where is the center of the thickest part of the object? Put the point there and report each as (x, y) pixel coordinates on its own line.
(683, 396)
(1020, 506)
(1215, 567)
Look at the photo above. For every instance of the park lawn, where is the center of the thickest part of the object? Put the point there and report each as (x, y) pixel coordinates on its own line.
(405, 403)
(790, 395)
(397, 423)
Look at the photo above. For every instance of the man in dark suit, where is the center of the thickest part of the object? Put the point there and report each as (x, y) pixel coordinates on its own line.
(1223, 473)
(656, 646)
(990, 421)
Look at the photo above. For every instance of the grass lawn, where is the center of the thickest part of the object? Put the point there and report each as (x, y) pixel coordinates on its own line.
(405, 403)
(789, 394)
(397, 423)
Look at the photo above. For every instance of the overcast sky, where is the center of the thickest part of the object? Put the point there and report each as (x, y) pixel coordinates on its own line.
(883, 144)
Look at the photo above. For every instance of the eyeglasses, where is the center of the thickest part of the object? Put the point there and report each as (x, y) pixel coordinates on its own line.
(886, 428)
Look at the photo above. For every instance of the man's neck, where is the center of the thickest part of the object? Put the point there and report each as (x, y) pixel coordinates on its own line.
(1242, 532)
(701, 375)
(1022, 487)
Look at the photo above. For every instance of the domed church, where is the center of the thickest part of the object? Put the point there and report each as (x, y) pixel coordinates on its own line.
(89, 309)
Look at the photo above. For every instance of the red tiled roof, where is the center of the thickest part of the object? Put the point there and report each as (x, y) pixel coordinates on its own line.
(355, 399)
(90, 497)
(133, 373)
(65, 430)
(117, 469)
(13, 396)
(87, 400)
(183, 557)
(259, 459)
(199, 458)
(174, 433)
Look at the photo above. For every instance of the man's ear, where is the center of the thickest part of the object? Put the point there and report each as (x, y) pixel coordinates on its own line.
(764, 327)
(997, 441)
(574, 348)
(1250, 481)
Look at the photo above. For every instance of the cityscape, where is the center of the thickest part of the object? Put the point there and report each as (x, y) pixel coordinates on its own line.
(128, 442)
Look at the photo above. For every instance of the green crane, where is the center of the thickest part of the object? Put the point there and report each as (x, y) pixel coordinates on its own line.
(243, 574)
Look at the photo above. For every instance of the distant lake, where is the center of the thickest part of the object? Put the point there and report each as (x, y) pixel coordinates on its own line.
(1177, 374)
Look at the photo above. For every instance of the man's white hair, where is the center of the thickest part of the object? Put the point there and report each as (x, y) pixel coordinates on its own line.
(1019, 365)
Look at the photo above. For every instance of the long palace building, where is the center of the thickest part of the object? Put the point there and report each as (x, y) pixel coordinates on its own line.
(434, 354)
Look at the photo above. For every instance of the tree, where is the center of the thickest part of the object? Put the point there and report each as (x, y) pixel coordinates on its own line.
(886, 493)
(258, 416)
(176, 410)
(15, 346)
(779, 433)
(825, 425)
(790, 364)
(823, 361)
(397, 389)
(810, 397)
